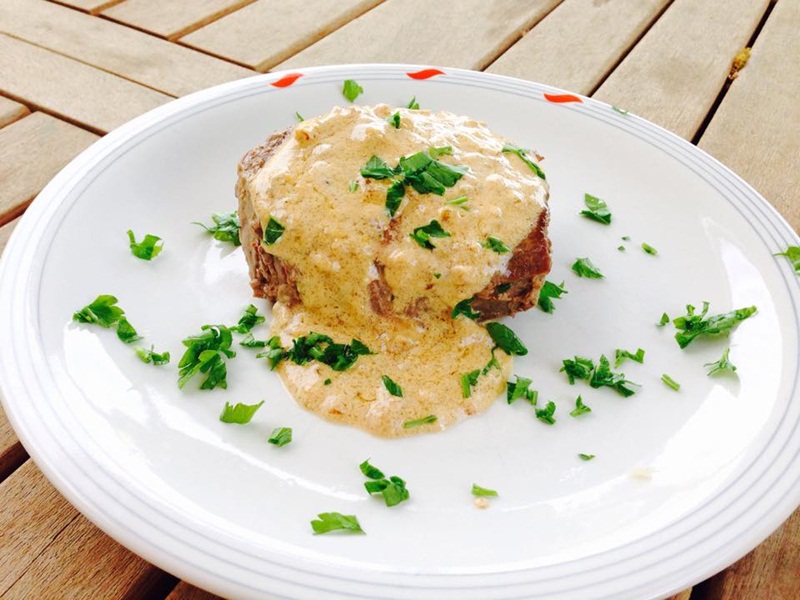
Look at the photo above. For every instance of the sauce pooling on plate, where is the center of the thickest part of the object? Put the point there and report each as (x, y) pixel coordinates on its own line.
(388, 219)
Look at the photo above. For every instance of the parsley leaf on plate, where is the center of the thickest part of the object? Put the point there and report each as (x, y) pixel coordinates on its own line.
(722, 365)
(239, 413)
(102, 311)
(670, 382)
(482, 492)
(225, 228)
(150, 247)
(603, 376)
(578, 368)
(621, 355)
(351, 90)
(580, 408)
(692, 325)
(550, 291)
(586, 457)
(520, 389)
(583, 267)
(649, 249)
(596, 209)
(150, 356)
(280, 436)
(205, 354)
(413, 104)
(392, 489)
(792, 253)
(249, 319)
(126, 332)
(546, 414)
(334, 521)
(506, 339)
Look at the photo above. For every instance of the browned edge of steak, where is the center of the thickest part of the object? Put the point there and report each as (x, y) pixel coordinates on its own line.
(273, 278)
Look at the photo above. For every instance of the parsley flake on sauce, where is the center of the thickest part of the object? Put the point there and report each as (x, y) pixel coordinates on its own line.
(482, 492)
(621, 355)
(523, 155)
(280, 436)
(492, 243)
(596, 209)
(546, 414)
(465, 308)
(273, 231)
(418, 422)
(376, 168)
(351, 90)
(413, 104)
(150, 356)
(225, 228)
(353, 187)
(692, 325)
(394, 197)
(550, 291)
(249, 341)
(583, 267)
(394, 120)
(468, 381)
(437, 151)
(299, 117)
(239, 413)
(506, 339)
(334, 521)
(580, 408)
(150, 247)
(460, 201)
(205, 355)
(316, 346)
(792, 253)
(422, 235)
(391, 386)
(722, 365)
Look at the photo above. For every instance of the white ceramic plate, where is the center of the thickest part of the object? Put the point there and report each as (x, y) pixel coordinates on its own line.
(683, 483)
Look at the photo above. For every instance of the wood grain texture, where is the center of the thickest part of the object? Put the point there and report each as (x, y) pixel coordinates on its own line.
(151, 61)
(186, 591)
(770, 572)
(172, 19)
(756, 129)
(32, 151)
(11, 111)
(267, 32)
(674, 74)
(83, 562)
(90, 6)
(69, 88)
(468, 33)
(588, 37)
(33, 515)
(684, 595)
(12, 454)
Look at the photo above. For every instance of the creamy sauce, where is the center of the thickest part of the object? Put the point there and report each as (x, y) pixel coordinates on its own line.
(335, 239)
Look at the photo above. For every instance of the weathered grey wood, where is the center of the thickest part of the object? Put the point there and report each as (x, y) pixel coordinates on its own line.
(578, 44)
(756, 130)
(674, 74)
(143, 58)
(468, 33)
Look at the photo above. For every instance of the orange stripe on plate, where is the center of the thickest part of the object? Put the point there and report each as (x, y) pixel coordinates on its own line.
(287, 80)
(425, 74)
(562, 98)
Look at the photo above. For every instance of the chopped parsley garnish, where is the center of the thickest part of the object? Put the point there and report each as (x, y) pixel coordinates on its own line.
(418, 422)
(413, 104)
(523, 155)
(225, 228)
(150, 247)
(392, 387)
(792, 253)
(102, 311)
(621, 355)
(506, 339)
(670, 382)
(249, 319)
(150, 356)
(649, 249)
(392, 489)
(596, 209)
(545, 415)
(437, 275)
(621, 248)
(376, 168)
(664, 320)
(319, 347)
(626, 238)
(722, 365)
(299, 116)
(249, 341)
(126, 332)
(353, 187)
(280, 436)
(580, 408)
(334, 521)
(458, 201)
(482, 492)
(394, 197)
(586, 456)
(351, 90)
(520, 389)
(578, 368)
(465, 308)
(274, 231)
(327, 381)
(550, 291)
(621, 111)
(583, 267)
(275, 354)
(422, 235)
(239, 413)
(603, 376)
(394, 120)
(468, 381)
(437, 151)
(495, 244)
(205, 354)
(692, 325)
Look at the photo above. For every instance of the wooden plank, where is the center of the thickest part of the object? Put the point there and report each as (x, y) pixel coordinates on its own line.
(70, 88)
(84, 559)
(588, 37)
(470, 34)
(186, 591)
(90, 6)
(172, 19)
(674, 74)
(33, 514)
(10, 111)
(32, 151)
(756, 129)
(684, 595)
(12, 454)
(770, 572)
(156, 63)
(267, 32)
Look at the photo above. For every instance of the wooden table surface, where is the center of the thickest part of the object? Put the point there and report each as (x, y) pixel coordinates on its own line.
(72, 70)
